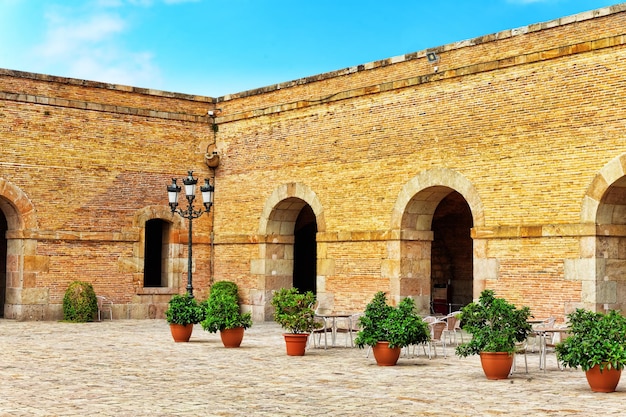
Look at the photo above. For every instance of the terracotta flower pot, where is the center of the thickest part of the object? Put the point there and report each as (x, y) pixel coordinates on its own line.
(231, 338)
(605, 381)
(384, 355)
(496, 365)
(181, 332)
(296, 343)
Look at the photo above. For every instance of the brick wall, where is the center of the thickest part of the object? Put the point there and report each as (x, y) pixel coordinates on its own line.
(528, 117)
(526, 125)
(94, 163)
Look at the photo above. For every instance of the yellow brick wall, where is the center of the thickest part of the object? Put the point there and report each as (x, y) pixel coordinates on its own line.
(529, 118)
(90, 160)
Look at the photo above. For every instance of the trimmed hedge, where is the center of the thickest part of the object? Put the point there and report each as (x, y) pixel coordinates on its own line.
(80, 304)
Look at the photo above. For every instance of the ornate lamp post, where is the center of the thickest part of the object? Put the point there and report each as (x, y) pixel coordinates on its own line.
(189, 213)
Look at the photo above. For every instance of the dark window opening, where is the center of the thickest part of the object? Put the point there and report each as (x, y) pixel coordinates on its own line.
(155, 253)
(305, 251)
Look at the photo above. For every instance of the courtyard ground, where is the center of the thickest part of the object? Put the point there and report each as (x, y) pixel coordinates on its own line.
(133, 368)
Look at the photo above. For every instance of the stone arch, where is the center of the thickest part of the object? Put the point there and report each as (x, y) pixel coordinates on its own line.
(147, 299)
(17, 207)
(278, 214)
(603, 244)
(274, 268)
(409, 256)
(609, 174)
(156, 212)
(437, 177)
(22, 299)
(176, 261)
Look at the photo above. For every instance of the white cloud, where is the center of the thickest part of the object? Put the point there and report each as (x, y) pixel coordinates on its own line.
(88, 44)
(137, 70)
(65, 38)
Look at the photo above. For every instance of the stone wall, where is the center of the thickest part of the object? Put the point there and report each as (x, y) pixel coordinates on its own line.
(526, 125)
(83, 167)
(519, 123)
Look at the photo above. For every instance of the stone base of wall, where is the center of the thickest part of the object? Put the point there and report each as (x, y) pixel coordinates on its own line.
(54, 312)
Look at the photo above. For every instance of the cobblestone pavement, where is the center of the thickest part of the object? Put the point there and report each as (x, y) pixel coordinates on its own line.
(133, 368)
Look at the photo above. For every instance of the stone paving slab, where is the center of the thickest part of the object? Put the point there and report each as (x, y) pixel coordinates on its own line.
(133, 368)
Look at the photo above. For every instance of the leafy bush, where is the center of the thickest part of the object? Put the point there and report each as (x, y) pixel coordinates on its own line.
(223, 312)
(184, 309)
(228, 287)
(495, 324)
(80, 304)
(293, 310)
(596, 339)
(400, 326)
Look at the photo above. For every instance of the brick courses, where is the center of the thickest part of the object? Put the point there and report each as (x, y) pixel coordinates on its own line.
(526, 124)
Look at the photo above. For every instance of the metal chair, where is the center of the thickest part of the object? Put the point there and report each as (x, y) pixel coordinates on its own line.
(350, 326)
(453, 326)
(325, 329)
(104, 305)
(549, 343)
(521, 348)
(437, 337)
(535, 337)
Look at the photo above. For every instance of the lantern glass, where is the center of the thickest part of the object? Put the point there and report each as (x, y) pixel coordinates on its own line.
(190, 184)
(207, 192)
(172, 192)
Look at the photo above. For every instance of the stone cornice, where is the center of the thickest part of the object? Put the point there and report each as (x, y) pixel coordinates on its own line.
(485, 232)
(505, 34)
(523, 59)
(548, 231)
(88, 105)
(97, 84)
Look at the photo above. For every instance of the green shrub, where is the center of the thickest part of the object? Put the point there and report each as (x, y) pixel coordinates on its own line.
(293, 310)
(495, 325)
(223, 312)
(596, 339)
(227, 287)
(400, 326)
(80, 304)
(184, 309)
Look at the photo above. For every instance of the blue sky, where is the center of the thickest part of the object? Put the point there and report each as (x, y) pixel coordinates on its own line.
(213, 48)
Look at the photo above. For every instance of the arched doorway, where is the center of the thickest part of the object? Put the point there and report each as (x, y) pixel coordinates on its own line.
(3, 261)
(437, 250)
(288, 249)
(291, 254)
(611, 248)
(452, 262)
(603, 259)
(437, 206)
(18, 213)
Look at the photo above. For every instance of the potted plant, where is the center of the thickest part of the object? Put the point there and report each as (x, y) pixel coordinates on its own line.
(388, 329)
(182, 313)
(294, 312)
(597, 343)
(496, 326)
(223, 314)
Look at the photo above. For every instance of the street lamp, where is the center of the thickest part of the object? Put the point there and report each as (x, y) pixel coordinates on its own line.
(189, 213)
